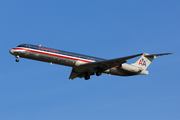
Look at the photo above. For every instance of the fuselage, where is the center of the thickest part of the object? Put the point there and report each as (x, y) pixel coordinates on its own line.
(63, 58)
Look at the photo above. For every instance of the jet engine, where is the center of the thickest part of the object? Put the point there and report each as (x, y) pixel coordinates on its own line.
(130, 68)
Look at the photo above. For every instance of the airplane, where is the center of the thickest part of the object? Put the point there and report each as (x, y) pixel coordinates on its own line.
(84, 66)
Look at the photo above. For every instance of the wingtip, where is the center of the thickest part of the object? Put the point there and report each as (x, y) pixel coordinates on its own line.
(170, 53)
(167, 53)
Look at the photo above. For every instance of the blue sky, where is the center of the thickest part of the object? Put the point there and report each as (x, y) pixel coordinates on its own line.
(106, 29)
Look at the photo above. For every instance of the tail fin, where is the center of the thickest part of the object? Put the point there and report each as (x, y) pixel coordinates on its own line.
(145, 60)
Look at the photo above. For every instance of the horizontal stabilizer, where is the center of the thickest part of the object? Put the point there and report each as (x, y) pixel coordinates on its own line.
(157, 54)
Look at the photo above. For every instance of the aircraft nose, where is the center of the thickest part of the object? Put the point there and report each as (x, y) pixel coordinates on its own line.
(11, 51)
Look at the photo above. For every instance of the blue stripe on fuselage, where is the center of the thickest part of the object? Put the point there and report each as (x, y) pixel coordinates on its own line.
(61, 52)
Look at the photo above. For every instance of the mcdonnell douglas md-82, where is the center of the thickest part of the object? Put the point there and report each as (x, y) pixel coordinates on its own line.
(84, 66)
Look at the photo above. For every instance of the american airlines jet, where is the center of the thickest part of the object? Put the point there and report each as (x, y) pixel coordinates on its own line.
(84, 66)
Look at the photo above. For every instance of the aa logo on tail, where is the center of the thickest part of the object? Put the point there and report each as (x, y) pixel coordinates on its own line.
(142, 62)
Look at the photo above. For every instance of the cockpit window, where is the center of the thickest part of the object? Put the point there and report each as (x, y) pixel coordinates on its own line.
(21, 46)
(28, 46)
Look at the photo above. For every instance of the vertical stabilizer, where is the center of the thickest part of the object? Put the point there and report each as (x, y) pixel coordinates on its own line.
(145, 60)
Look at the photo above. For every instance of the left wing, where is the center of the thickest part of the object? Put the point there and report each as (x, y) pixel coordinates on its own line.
(91, 68)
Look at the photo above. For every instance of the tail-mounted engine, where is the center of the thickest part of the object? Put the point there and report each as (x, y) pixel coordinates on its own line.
(130, 68)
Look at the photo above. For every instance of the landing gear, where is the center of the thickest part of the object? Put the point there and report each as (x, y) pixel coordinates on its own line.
(87, 77)
(17, 60)
(98, 73)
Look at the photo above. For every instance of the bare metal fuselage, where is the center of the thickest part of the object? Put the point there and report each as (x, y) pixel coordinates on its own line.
(67, 59)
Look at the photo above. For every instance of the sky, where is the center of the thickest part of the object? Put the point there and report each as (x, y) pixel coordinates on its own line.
(102, 28)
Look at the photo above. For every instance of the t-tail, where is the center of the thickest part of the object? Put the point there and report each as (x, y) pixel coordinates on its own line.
(145, 60)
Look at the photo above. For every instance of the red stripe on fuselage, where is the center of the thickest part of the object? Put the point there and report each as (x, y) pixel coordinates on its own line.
(52, 54)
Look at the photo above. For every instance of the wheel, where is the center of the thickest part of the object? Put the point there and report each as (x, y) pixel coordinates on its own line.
(87, 77)
(17, 60)
(98, 73)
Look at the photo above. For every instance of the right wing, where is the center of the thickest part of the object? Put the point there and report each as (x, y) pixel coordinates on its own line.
(106, 64)
(93, 67)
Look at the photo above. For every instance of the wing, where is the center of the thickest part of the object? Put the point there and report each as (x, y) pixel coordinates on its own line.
(93, 67)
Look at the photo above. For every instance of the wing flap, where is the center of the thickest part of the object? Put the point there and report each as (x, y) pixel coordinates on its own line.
(76, 73)
(73, 74)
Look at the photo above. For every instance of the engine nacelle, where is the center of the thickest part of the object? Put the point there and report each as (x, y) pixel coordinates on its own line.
(130, 68)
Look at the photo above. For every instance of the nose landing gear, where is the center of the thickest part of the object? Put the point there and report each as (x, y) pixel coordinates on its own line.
(17, 60)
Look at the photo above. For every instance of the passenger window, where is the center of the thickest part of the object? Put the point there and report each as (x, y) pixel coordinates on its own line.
(27, 46)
